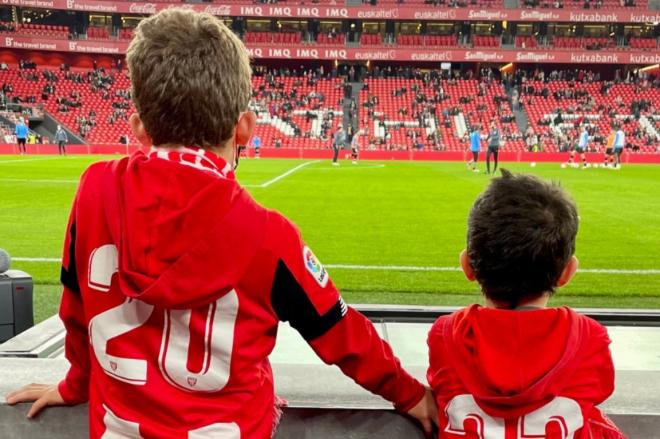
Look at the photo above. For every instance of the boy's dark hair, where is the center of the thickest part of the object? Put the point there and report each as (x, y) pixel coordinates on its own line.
(521, 234)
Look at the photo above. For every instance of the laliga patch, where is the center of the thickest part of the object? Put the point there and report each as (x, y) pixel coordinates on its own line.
(313, 265)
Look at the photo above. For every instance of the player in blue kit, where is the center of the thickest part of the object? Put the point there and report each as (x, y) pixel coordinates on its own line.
(475, 148)
(619, 142)
(581, 148)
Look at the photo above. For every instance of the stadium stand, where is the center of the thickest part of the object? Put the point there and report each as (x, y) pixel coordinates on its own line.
(526, 42)
(425, 111)
(35, 30)
(586, 4)
(327, 39)
(598, 104)
(371, 39)
(583, 43)
(272, 37)
(297, 111)
(433, 114)
(98, 33)
(427, 40)
(485, 41)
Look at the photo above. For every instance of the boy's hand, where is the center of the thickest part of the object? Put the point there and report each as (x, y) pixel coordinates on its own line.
(43, 395)
(426, 412)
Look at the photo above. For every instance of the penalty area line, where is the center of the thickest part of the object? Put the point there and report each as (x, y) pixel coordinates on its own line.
(9, 162)
(650, 271)
(281, 176)
(27, 180)
(430, 268)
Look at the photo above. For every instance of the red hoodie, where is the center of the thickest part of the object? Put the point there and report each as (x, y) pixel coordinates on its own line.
(502, 374)
(175, 280)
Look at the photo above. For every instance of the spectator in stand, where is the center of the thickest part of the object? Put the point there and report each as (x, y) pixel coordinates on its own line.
(21, 131)
(61, 138)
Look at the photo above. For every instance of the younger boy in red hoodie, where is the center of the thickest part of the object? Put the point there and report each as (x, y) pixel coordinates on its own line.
(516, 368)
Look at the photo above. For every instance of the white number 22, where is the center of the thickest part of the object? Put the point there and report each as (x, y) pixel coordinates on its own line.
(563, 412)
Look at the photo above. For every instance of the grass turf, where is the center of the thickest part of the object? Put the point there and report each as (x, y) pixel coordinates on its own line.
(377, 214)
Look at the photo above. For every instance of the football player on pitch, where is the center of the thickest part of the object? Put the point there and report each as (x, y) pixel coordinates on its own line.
(580, 148)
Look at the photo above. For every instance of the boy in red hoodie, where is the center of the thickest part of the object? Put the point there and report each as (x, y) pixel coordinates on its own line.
(175, 279)
(516, 369)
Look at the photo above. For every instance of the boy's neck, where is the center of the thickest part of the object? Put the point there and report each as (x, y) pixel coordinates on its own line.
(223, 151)
(535, 303)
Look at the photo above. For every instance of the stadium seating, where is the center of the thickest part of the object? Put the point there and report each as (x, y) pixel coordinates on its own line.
(326, 39)
(605, 4)
(272, 37)
(462, 95)
(643, 43)
(583, 43)
(485, 41)
(526, 42)
(36, 30)
(371, 39)
(125, 34)
(98, 33)
(427, 40)
(291, 109)
(543, 110)
(277, 126)
(446, 3)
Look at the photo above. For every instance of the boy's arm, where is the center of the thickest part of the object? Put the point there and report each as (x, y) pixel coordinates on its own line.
(303, 295)
(74, 388)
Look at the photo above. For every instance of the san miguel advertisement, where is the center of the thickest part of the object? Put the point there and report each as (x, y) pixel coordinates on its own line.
(401, 12)
(340, 53)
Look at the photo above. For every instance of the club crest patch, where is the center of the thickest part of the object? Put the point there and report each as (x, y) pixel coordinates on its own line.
(313, 265)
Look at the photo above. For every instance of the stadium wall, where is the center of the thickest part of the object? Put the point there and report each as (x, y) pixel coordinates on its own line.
(300, 153)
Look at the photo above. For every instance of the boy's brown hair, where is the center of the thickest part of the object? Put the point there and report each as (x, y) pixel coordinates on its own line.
(521, 235)
(190, 78)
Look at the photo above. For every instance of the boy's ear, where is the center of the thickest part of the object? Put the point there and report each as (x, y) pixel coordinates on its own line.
(245, 127)
(139, 131)
(569, 271)
(467, 268)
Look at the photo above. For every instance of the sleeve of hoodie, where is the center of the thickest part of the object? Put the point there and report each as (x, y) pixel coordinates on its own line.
(593, 380)
(304, 295)
(74, 388)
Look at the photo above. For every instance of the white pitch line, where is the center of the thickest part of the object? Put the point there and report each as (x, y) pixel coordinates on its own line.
(27, 180)
(650, 271)
(282, 176)
(427, 268)
(5, 162)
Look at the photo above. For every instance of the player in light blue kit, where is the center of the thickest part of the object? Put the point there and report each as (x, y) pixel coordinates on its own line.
(256, 144)
(475, 148)
(619, 142)
(21, 131)
(580, 148)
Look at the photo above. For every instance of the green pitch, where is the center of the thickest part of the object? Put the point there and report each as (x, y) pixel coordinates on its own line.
(378, 226)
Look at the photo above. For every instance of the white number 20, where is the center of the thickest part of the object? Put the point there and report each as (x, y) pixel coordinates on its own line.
(218, 339)
(564, 412)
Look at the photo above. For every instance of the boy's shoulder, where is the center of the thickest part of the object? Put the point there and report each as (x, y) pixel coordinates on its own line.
(588, 328)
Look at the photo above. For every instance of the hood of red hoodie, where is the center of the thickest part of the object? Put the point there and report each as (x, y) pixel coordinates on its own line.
(514, 361)
(185, 236)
